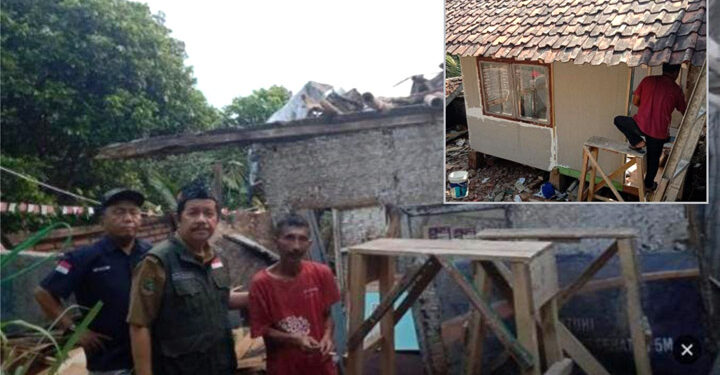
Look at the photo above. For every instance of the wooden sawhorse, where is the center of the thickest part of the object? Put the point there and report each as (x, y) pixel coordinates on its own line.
(623, 246)
(590, 160)
(533, 283)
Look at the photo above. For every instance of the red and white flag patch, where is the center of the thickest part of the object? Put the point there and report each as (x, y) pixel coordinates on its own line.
(63, 267)
(216, 263)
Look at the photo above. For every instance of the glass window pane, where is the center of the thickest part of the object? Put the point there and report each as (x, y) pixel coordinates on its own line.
(532, 92)
(497, 89)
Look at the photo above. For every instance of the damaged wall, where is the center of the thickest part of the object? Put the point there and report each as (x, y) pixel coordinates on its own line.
(398, 165)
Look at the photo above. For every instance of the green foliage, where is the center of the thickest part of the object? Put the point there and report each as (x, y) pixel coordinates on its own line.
(21, 361)
(452, 66)
(77, 75)
(15, 189)
(256, 108)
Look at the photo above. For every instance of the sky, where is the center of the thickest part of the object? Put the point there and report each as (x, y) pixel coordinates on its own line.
(236, 47)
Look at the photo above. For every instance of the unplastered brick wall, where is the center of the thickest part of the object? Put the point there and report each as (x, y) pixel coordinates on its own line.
(400, 166)
(154, 229)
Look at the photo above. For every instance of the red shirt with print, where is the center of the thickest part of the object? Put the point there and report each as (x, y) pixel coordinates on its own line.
(659, 96)
(300, 305)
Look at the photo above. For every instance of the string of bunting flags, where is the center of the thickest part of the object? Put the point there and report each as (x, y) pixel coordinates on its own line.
(44, 209)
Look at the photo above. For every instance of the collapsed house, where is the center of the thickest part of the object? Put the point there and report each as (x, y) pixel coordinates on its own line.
(542, 78)
(379, 174)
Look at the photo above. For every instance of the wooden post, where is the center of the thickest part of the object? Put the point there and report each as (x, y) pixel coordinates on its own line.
(577, 351)
(217, 187)
(634, 305)
(641, 178)
(524, 358)
(551, 341)
(356, 285)
(555, 178)
(583, 175)
(524, 319)
(337, 246)
(387, 324)
(593, 171)
(477, 329)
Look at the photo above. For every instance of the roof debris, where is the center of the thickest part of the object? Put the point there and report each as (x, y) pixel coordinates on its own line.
(319, 99)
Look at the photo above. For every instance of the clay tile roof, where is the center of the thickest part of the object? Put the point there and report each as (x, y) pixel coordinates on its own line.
(452, 84)
(633, 32)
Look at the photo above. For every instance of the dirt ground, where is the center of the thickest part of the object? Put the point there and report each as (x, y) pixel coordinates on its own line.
(496, 180)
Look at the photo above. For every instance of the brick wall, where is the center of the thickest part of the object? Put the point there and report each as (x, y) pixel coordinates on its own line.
(154, 229)
(399, 165)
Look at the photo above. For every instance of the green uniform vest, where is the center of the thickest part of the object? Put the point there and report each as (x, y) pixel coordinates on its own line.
(191, 333)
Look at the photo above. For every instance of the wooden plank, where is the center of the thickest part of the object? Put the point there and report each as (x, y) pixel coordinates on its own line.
(596, 166)
(477, 328)
(277, 132)
(356, 286)
(593, 171)
(524, 317)
(691, 127)
(555, 234)
(473, 249)
(561, 367)
(583, 176)
(387, 302)
(612, 145)
(548, 332)
(634, 306)
(543, 279)
(616, 282)
(597, 263)
(579, 353)
(522, 356)
(640, 179)
(427, 274)
(387, 324)
(501, 275)
(337, 245)
(617, 173)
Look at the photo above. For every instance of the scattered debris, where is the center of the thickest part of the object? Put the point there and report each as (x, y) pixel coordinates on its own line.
(498, 180)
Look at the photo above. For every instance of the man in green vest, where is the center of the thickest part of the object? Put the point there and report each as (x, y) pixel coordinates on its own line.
(180, 298)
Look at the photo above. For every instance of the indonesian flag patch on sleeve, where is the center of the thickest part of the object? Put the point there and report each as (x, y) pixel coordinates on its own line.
(63, 267)
(216, 263)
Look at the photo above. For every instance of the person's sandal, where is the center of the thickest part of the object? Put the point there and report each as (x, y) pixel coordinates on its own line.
(637, 148)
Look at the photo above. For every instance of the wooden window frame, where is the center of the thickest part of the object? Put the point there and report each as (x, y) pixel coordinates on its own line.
(512, 63)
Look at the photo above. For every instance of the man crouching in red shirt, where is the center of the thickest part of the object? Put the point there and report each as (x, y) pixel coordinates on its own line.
(290, 306)
(656, 98)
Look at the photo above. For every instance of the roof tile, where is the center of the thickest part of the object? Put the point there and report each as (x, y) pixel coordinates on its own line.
(583, 31)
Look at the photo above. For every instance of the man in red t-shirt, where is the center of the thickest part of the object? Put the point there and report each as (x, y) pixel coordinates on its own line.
(290, 306)
(656, 98)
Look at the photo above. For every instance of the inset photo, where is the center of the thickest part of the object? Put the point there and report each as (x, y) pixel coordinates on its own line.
(576, 101)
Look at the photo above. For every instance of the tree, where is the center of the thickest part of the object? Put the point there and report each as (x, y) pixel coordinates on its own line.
(77, 75)
(452, 66)
(256, 108)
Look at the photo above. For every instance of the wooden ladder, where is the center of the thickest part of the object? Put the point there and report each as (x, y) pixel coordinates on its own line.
(691, 126)
(590, 164)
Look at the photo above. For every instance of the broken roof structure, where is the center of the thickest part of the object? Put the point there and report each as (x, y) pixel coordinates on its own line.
(541, 78)
(632, 32)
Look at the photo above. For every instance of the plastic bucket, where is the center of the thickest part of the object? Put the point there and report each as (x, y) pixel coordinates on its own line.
(458, 184)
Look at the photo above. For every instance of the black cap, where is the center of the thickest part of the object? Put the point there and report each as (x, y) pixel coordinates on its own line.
(121, 194)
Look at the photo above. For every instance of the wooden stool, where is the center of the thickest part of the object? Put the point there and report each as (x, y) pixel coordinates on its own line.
(531, 282)
(590, 154)
(623, 246)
